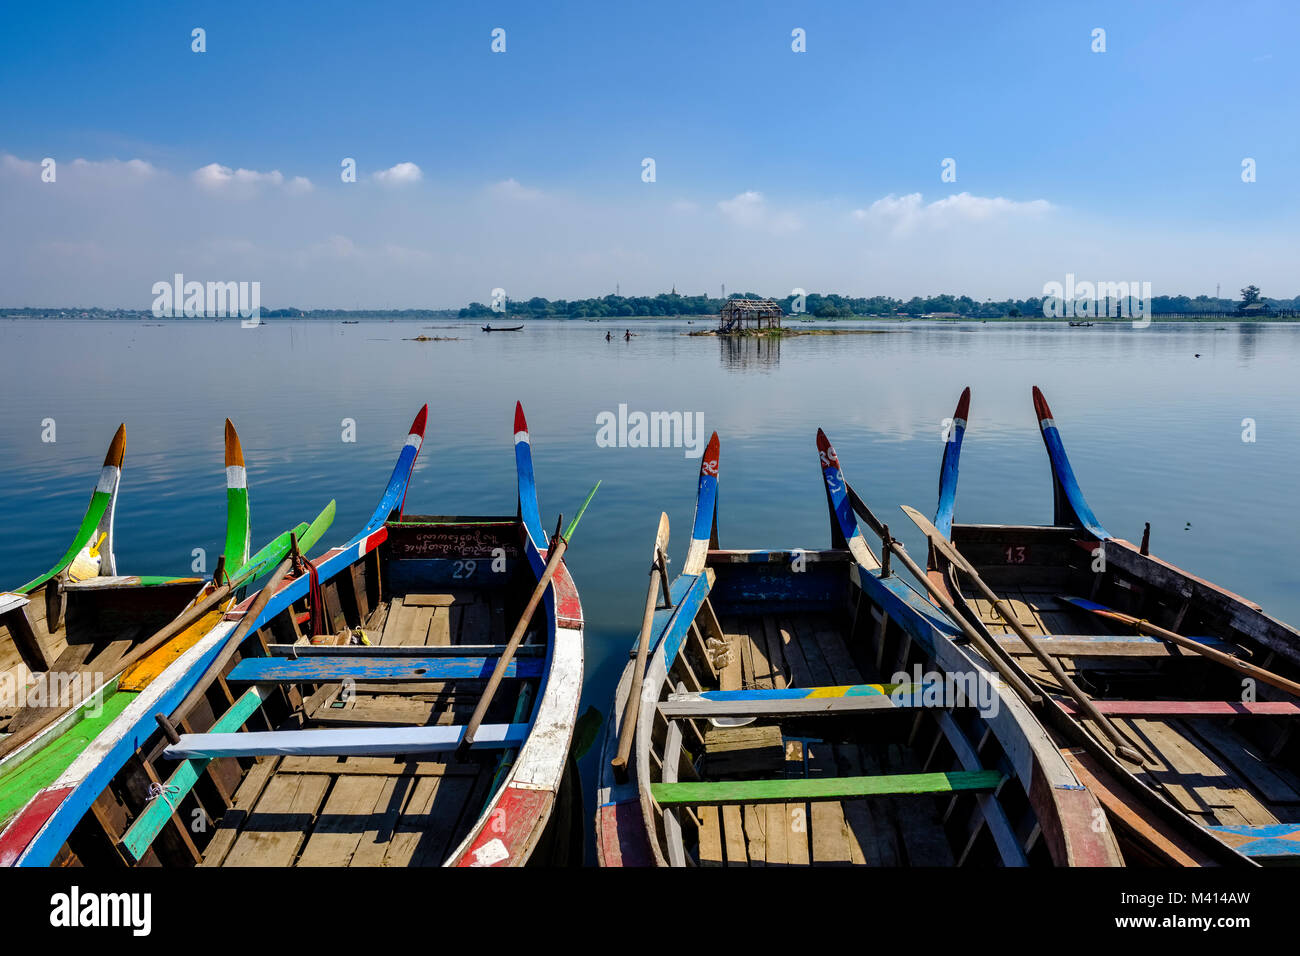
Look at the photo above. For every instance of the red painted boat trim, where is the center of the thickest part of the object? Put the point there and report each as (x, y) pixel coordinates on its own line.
(1190, 708)
(568, 608)
(510, 826)
(28, 823)
(1068, 818)
(620, 827)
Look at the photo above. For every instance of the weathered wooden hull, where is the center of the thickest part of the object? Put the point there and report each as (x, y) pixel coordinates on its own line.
(494, 808)
(810, 627)
(1219, 793)
(85, 632)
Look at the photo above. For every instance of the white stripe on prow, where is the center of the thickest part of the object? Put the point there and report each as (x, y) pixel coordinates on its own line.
(414, 441)
(236, 477)
(521, 436)
(1047, 423)
(959, 423)
(108, 478)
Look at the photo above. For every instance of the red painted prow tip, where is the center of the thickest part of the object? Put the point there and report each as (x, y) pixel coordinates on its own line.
(116, 448)
(827, 449)
(417, 426)
(963, 404)
(709, 463)
(234, 450)
(1040, 405)
(521, 423)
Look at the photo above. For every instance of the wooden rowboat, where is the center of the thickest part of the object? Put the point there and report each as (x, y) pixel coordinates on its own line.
(503, 328)
(1221, 780)
(338, 696)
(80, 642)
(803, 708)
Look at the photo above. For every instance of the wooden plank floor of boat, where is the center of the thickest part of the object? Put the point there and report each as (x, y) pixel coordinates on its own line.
(809, 650)
(1214, 774)
(374, 811)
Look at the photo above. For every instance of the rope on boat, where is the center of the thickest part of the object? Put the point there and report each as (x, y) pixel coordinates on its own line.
(162, 790)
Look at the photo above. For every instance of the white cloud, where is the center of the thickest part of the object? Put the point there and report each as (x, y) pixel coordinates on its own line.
(244, 182)
(105, 170)
(139, 168)
(745, 209)
(400, 175)
(513, 189)
(908, 212)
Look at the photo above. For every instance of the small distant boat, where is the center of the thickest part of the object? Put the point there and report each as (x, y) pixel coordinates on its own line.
(503, 328)
(1081, 325)
(350, 322)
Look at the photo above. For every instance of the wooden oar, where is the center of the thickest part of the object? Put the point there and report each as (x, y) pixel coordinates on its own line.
(628, 729)
(235, 639)
(195, 612)
(991, 653)
(559, 544)
(1123, 746)
(1146, 627)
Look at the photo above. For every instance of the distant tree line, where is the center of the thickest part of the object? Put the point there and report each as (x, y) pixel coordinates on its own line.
(832, 305)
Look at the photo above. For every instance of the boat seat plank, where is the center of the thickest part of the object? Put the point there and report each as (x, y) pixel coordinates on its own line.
(717, 792)
(402, 650)
(1277, 841)
(1109, 645)
(1191, 708)
(319, 669)
(801, 701)
(137, 840)
(362, 741)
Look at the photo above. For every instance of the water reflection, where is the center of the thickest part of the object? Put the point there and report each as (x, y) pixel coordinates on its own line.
(741, 353)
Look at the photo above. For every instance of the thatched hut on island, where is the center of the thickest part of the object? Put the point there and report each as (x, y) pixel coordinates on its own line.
(742, 315)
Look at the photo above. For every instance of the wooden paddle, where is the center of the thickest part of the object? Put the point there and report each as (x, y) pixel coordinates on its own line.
(236, 637)
(559, 544)
(195, 612)
(1123, 746)
(628, 729)
(993, 654)
(1146, 627)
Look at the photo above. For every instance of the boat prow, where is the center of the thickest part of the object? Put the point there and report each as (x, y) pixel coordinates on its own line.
(1069, 506)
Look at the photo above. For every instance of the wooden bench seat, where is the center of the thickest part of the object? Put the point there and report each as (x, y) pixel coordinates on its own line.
(720, 792)
(135, 843)
(402, 650)
(318, 669)
(1191, 708)
(349, 742)
(776, 702)
(1275, 841)
(1110, 645)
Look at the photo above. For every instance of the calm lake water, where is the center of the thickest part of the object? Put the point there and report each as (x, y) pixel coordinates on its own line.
(1155, 434)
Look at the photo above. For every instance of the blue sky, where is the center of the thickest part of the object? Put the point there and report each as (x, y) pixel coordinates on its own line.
(772, 167)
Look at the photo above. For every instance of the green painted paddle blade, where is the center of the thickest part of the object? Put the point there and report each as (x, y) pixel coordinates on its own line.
(568, 533)
(317, 528)
(273, 553)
